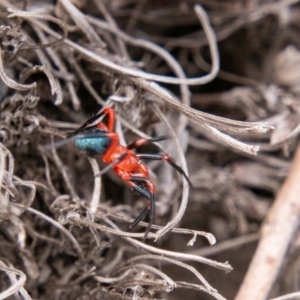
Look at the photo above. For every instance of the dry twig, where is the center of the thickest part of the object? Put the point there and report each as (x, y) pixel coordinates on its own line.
(277, 233)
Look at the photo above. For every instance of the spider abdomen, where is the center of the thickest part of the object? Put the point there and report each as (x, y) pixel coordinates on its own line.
(93, 145)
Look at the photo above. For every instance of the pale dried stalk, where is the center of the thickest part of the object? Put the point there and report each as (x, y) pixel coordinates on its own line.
(79, 19)
(209, 288)
(48, 177)
(64, 171)
(140, 74)
(53, 83)
(11, 83)
(2, 166)
(198, 117)
(226, 139)
(56, 224)
(197, 287)
(17, 284)
(168, 282)
(210, 238)
(277, 232)
(130, 235)
(226, 245)
(113, 24)
(269, 8)
(60, 65)
(182, 256)
(111, 280)
(97, 186)
(85, 80)
(32, 187)
(208, 122)
(34, 15)
(185, 193)
(6, 174)
(292, 296)
(144, 44)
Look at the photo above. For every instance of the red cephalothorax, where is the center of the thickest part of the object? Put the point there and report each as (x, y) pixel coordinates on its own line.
(98, 136)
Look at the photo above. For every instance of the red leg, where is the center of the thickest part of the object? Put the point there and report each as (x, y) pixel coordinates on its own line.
(133, 181)
(111, 118)
(114, 144)
(111, 165)
(97, 122)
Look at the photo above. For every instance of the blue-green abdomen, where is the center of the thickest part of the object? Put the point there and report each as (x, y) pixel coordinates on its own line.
(93, 145)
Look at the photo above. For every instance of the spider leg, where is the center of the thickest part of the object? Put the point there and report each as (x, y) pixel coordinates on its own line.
(142, 141)
(111, 118)
(150, 209)
(111, 165)
(132, 225)
(140, 218)
(166, 158)
(92, 122)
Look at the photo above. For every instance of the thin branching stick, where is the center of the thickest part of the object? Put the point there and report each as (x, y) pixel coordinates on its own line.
(278, 231)
(97, 186)
(292, 296)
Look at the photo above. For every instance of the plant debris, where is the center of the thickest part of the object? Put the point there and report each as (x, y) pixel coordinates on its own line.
(219, 78)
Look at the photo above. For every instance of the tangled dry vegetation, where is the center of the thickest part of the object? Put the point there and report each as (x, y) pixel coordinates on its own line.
(220, 78)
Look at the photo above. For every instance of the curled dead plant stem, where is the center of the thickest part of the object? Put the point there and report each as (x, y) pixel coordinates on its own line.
(61, 66)
(47, 72)
(113, 24)
(11, 83)
(209, 288)
(211, 239)
(185, 193)
(159, 51)
(226, 245)
(60, 227)
(134, 72)
(222, 266)
(168, 281)
(197, 287)
(112, 279)
(164, 79)
(32, 187)
(79, 19)
(64, 172)
(32, 15)
(17, 284)
(206, 120)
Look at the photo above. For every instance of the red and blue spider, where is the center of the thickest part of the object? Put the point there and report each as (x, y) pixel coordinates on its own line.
(98, 136)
